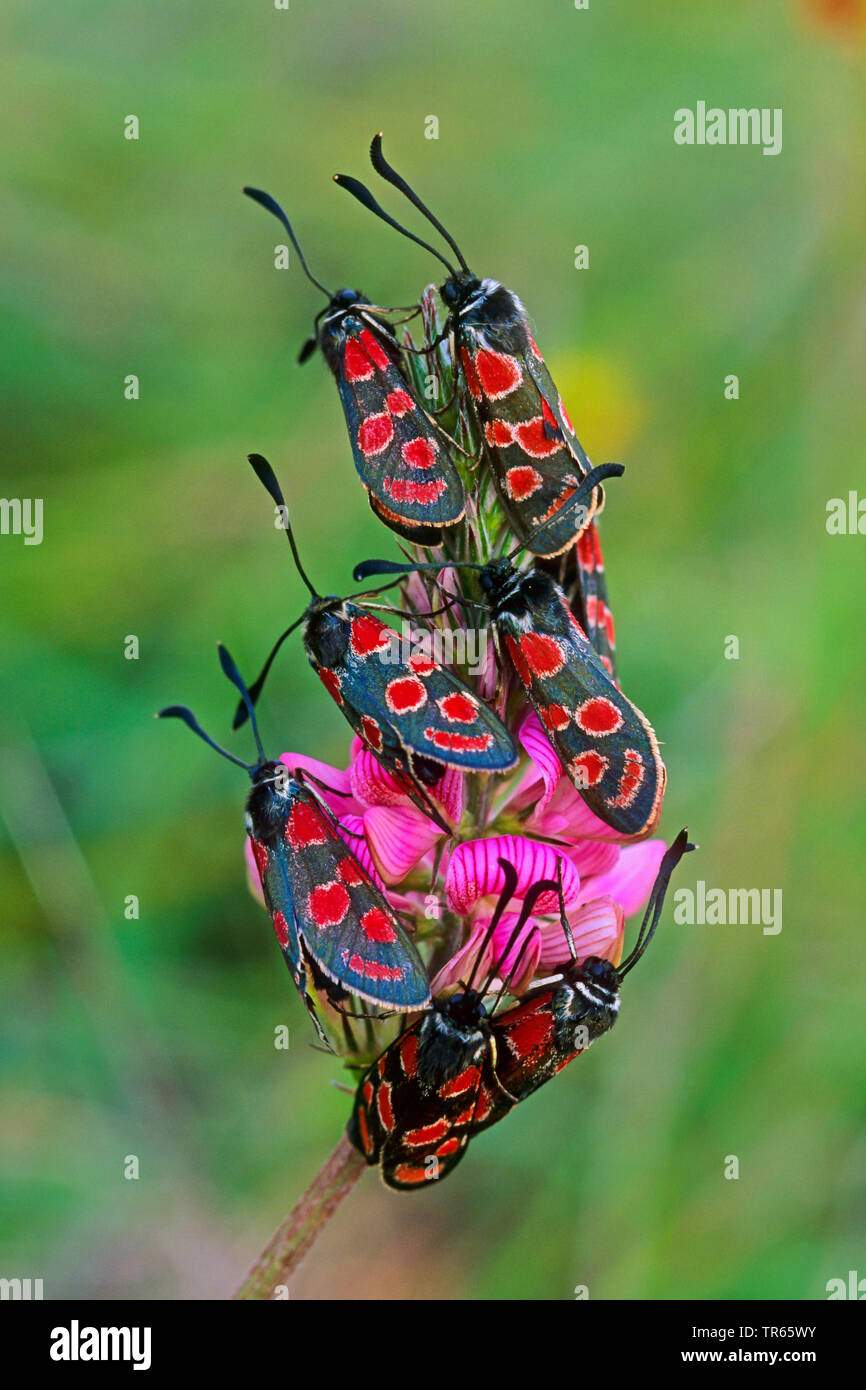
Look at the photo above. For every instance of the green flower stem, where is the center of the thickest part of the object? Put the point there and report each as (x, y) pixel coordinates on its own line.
(304, 1223)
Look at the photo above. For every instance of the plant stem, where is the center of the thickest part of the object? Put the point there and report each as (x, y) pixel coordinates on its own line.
(304, 1223)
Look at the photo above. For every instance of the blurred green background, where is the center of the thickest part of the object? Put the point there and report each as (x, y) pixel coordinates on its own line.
(155, 1037)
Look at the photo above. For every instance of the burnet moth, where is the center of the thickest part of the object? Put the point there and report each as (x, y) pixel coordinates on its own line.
(462, 1067)
(533, 452)
(607, 747)
(413, 714)
(401, 457)
(337, 931)
(418, 1105)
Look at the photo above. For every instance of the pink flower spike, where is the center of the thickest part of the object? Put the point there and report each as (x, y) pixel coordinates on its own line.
(630, 880)
(597, 929)
(449, 793)
(593, 857)
(398, 837)
(474, 872)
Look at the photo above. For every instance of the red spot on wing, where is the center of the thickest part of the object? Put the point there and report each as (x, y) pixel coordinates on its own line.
(375, 434)
(564, 416)
(419, 453)
(374, 349)
(458, 1085)
(367, 1092)
(498, 434)
(471, 375)
(426, 1134)
(520, 665)
(350, 872)
(356, 364)
(458, 707)
(376, 926)
(405, 490)
(531, 1034)
(399, 402)
(630, 782)
(383, 1105)
(448, 1147)
(306, 826)
(373, 970)
(407, 1174)
(522, 481)
(534, 439)
(369, 635)
(421, 665)
(588, 768)
(449, 741)
(364, 1131)
(281, 927)
(543, 655)
(598, 716)
(555, 718)
(260, 854)
(409, 1054)
(498, 373)
(331, 681)
(371, 732)
(405, 694)
(328, 904)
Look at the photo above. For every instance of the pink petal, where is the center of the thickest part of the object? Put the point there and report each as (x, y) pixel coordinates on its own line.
(372, 784)
(597, 929)
(398, 837)
(463, 964)
(474, 872)
(489, 673)
(593, 857)
(449, 794)
(630, 880)
(543, 760)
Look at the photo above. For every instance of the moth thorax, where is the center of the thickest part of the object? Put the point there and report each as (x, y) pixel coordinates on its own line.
(326, 635)
(266, 804)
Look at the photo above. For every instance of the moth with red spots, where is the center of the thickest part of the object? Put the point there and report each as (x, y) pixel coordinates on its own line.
(401, 457)
(413, 714)
(418, 1105)
(461, 1069)
(607, 747)
(534, 455)
(336, 929)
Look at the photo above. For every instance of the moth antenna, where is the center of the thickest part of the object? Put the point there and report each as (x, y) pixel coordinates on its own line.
(672, 857)
(364, 196)
(268, 479)
(508, 890)
(544, 885)
(255, 690)
(231, 671)
(189, 719)
(371, 567)
(271, 204)
(382, 167)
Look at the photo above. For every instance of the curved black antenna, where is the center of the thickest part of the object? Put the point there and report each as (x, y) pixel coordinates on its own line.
(268, 478)
(266, 201)
(181, 712)
(231, 671)
(544, 885)
(382, 167)
(672, 857)
(364, 196)
(508, 890)
(255, 690)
